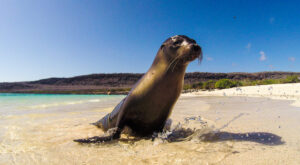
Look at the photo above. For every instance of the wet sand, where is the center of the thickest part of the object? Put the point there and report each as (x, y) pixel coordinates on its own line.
(239, 130)
(230, 130)
(249, 125)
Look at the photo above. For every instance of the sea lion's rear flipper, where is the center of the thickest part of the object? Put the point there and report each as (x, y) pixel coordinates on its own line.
(115, 134)
(110, 120)
(95, 139)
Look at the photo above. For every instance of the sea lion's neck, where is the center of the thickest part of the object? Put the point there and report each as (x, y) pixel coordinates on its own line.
(160, 76)
(166, 65)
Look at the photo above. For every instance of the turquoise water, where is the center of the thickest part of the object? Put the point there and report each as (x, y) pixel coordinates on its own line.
(11, 103)
(32, 125)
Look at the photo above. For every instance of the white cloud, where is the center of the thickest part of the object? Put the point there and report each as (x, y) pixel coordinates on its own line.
(292, 59)
(272, 19)
(271, 67)
(209, 59)
(263, 56)
(248, 46)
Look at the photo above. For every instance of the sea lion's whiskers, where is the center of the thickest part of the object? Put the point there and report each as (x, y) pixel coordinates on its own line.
(175, 65)
(199, 60)
(200, 57)
(172, 62)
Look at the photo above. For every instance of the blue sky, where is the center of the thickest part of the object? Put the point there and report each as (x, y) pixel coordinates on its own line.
(55, 38)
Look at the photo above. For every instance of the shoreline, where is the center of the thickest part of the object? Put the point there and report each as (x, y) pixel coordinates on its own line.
(69, 92)
(117, 94)
(290, 91)
(121, 83)
(276, 91)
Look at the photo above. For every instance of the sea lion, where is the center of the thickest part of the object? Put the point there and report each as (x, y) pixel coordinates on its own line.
(149, 103)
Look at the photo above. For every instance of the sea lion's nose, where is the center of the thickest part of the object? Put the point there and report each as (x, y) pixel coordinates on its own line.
(196, 48)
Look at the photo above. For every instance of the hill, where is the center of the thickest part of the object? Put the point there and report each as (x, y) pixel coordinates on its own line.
(120, 83)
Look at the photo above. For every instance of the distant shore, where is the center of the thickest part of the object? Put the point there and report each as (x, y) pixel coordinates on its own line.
(275, 91)
(121, 83)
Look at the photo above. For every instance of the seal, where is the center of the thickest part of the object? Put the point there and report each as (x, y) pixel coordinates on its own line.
(149, 103)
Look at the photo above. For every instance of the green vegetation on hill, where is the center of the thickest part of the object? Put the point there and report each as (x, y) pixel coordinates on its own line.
(291, 79)
(227, 83)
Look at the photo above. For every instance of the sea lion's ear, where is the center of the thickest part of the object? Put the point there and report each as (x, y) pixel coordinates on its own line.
(162, 46)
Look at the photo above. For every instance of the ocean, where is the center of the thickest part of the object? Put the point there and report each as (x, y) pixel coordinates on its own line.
(30, 124)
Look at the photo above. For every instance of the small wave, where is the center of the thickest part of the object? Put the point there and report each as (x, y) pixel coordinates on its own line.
(42, 106)
(94, 100)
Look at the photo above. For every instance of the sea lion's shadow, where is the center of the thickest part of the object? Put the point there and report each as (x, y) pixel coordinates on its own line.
(264, 138)
(181, 135)
(206, 135)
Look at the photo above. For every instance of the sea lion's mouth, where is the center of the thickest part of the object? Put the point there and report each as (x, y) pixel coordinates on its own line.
(195, 52)
(196, 48)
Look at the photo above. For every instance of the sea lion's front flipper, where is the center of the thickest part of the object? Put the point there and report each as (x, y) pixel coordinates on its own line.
(168, 125)
(109, 121)
(114, 134)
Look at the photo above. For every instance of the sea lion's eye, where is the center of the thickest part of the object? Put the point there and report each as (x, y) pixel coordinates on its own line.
(177, 42)
(174, 47)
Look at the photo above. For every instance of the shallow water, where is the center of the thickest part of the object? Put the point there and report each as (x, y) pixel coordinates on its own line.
(39, 129)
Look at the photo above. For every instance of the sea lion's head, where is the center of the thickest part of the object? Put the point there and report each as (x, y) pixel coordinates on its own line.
(180, 50)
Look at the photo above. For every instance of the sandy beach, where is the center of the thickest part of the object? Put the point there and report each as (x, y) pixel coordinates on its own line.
(230, 128)
(265, 108)
(276, 91)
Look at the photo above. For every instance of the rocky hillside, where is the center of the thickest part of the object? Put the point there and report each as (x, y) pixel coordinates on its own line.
(120, 83)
